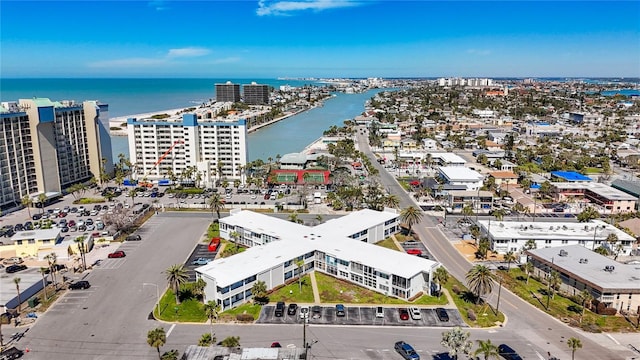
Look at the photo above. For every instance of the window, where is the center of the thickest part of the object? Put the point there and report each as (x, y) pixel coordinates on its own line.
(288, 275)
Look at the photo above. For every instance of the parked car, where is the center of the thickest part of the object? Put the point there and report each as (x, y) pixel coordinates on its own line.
(279, 309)
(134, 237)
(404, 313)
(415, 313)
(316, 312)
(117, 254)
(508, 353)
(414, 252)
(200, 261)
(340, 310)
(13, 261)
(304, 312)
(15, 268)
(82, 284)
(406, 351)
(11, 353)
(379, 312)
(291, 310)
(276, 344)
(442, 314)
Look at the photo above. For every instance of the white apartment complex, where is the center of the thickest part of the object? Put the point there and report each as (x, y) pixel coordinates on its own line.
(180, 144)
(507, 236)
(46, 146)
(340, 247)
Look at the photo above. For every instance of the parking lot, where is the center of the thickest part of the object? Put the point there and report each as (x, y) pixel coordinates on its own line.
(413, 247)
(200, 251)
(361, 315)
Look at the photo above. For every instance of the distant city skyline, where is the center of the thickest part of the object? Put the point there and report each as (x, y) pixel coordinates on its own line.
(319, 38)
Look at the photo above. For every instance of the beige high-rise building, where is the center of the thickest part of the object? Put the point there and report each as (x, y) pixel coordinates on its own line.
(47, 146)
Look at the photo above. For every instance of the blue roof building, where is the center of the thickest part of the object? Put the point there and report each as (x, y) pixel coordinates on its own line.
(569, 176)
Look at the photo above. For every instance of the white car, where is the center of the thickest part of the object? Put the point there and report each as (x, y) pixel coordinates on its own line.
(415, 313)
(304, 312)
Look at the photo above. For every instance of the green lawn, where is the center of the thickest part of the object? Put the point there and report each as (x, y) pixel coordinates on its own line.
(561, 307)
(248, 308)
(592, 170)
(485, 316)
(333, 290)
(388, 243)
(188, 311)
(291, 292)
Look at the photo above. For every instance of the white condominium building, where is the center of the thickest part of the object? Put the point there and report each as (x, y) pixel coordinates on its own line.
(280, 250)
(46, 146)
(189, 147)
(514, 236)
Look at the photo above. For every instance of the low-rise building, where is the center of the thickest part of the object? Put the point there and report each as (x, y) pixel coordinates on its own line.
(460, 175)
(282, 250)
(610, 200)
(480, 201)
(513, 236)
(504, 178)
(614, 284)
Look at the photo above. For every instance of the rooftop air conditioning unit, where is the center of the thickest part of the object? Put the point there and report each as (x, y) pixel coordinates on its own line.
(563, 253)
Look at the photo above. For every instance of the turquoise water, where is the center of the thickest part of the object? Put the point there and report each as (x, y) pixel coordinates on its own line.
(126, 96)
(292, 134)
(625, 92)
(135, 96)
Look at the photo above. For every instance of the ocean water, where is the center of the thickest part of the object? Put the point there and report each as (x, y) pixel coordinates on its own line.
(294, 133)
(625, 92)
(127, 96)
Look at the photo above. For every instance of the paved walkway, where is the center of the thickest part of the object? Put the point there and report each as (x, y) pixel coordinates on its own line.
(395, 241)
(314, 286)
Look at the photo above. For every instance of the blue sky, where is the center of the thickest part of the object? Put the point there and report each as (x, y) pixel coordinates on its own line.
(319, 38)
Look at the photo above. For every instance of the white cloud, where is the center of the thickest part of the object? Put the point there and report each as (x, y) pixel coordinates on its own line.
(129, 62)
(187, 52)
(159, 5)
(479, 52)
(266, 7)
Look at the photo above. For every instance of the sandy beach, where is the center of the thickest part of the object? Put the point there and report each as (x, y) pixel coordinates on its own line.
(117, 122)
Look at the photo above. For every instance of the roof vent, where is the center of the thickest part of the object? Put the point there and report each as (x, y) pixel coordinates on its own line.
(563, 253)
(609, 268)
(584, 261)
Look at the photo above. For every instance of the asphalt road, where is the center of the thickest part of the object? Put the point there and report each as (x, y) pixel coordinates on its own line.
(525, 322)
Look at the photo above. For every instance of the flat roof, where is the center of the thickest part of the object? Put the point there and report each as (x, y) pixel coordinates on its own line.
(460, 173)
(503, 174)
(623, 276)
(506, 230)
(570, 176)
(603, 190)
(471, 193)
(448, 157)
(354, 222)
(38, 234)
(297, 239)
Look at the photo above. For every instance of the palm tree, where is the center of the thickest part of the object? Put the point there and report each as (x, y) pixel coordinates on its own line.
(42, 199)
(216, 204)
(211, 309)
(132, 195)
(530, 244)
(554, 283)
(574, 344)
(480, 280)
(410, 216)
(16, 281)
(588, 214)
(82, 249)
(176, 276)
(487, 349)
(26, 202)
(52, 259)
(319, 218)
(440, 276)
(528, 269)
(206, 340)
(259, 290)
(172, 354)
(499, 214)
(231, 341)
(457, 341)
(509, 257)
(43, 272)
(157, 338)
(467, 211)
(586, 298)
(391, 201)
(299, 267)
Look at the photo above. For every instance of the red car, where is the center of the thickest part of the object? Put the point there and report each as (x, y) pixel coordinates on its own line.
(117, 254)
(404, 314)
(414, 252)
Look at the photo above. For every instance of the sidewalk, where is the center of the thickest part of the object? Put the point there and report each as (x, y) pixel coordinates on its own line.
(314, 286)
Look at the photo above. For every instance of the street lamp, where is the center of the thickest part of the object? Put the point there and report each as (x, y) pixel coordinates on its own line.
(595, 231)
(157, 296)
